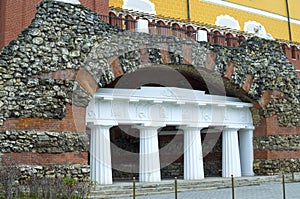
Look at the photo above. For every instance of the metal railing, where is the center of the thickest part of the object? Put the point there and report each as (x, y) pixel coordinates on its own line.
(122, 23)
(126, 23)
(233, 187)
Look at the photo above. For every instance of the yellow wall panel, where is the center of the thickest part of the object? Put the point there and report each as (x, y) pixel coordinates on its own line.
(294, 7)
(171, 8)
(116, 3)
(274, 6)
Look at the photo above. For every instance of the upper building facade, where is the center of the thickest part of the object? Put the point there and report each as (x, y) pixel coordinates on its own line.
(277, 19)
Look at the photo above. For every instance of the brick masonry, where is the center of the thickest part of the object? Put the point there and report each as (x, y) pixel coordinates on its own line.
(16, 15)
(74, 121)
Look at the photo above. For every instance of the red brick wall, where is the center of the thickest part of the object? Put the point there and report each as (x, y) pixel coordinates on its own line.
(2, 11)
(295, 61)
(15, 15)
(275, 155)
(73, 122)
(269, 126)
(45, 158)
(99, 6)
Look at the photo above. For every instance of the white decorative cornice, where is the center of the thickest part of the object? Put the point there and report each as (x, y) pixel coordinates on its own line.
(162, 106)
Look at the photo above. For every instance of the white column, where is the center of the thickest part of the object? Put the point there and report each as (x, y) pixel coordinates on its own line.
(193, 158)
(100, 154)
(149, 170)
(231, 164)
(201, 35)
(246, 151)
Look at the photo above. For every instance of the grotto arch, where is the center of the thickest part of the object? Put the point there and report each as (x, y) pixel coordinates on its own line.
(49, 78)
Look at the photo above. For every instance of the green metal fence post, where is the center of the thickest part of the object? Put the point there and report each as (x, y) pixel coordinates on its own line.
(283, 186)
(175, 184)
(232, 186)
(133, 188)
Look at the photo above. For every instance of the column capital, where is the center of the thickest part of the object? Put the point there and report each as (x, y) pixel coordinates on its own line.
(229, 128)
(248, 128)
(192, 127)
(93, 125)
(141, 126)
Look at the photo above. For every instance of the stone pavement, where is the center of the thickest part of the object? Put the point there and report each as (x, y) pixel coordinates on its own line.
(264, 191)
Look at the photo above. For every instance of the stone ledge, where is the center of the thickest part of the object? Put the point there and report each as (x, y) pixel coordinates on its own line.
(277, 142)
(42, 142)
(76, 171)
(273, 167)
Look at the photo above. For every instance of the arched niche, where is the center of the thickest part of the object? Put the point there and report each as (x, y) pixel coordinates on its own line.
(257, 28)
(227, 21)
(145, 6)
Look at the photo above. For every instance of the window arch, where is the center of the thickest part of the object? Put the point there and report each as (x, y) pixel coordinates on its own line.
(162, 28)
(129, 23)
(285, 48)
(114, 20)
(191, 32)
(230, 40)
(176, 30)
(294, 52)
(218, 38)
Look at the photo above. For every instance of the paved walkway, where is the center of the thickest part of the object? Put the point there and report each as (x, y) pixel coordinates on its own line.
(264, 191)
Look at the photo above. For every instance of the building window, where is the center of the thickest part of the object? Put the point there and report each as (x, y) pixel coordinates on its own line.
(284, 47)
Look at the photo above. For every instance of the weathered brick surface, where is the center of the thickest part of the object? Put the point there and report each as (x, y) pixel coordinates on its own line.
(15, 15)
(116, 67)
(144, 55)
(247, 84)
(85, 79)
(99, 6)
(270, 126)
(69, 74)
(45, 158)
(74, 121)
(164, 53)
(264, 99)
(211, 60)
(276, 154)
(187, 54)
